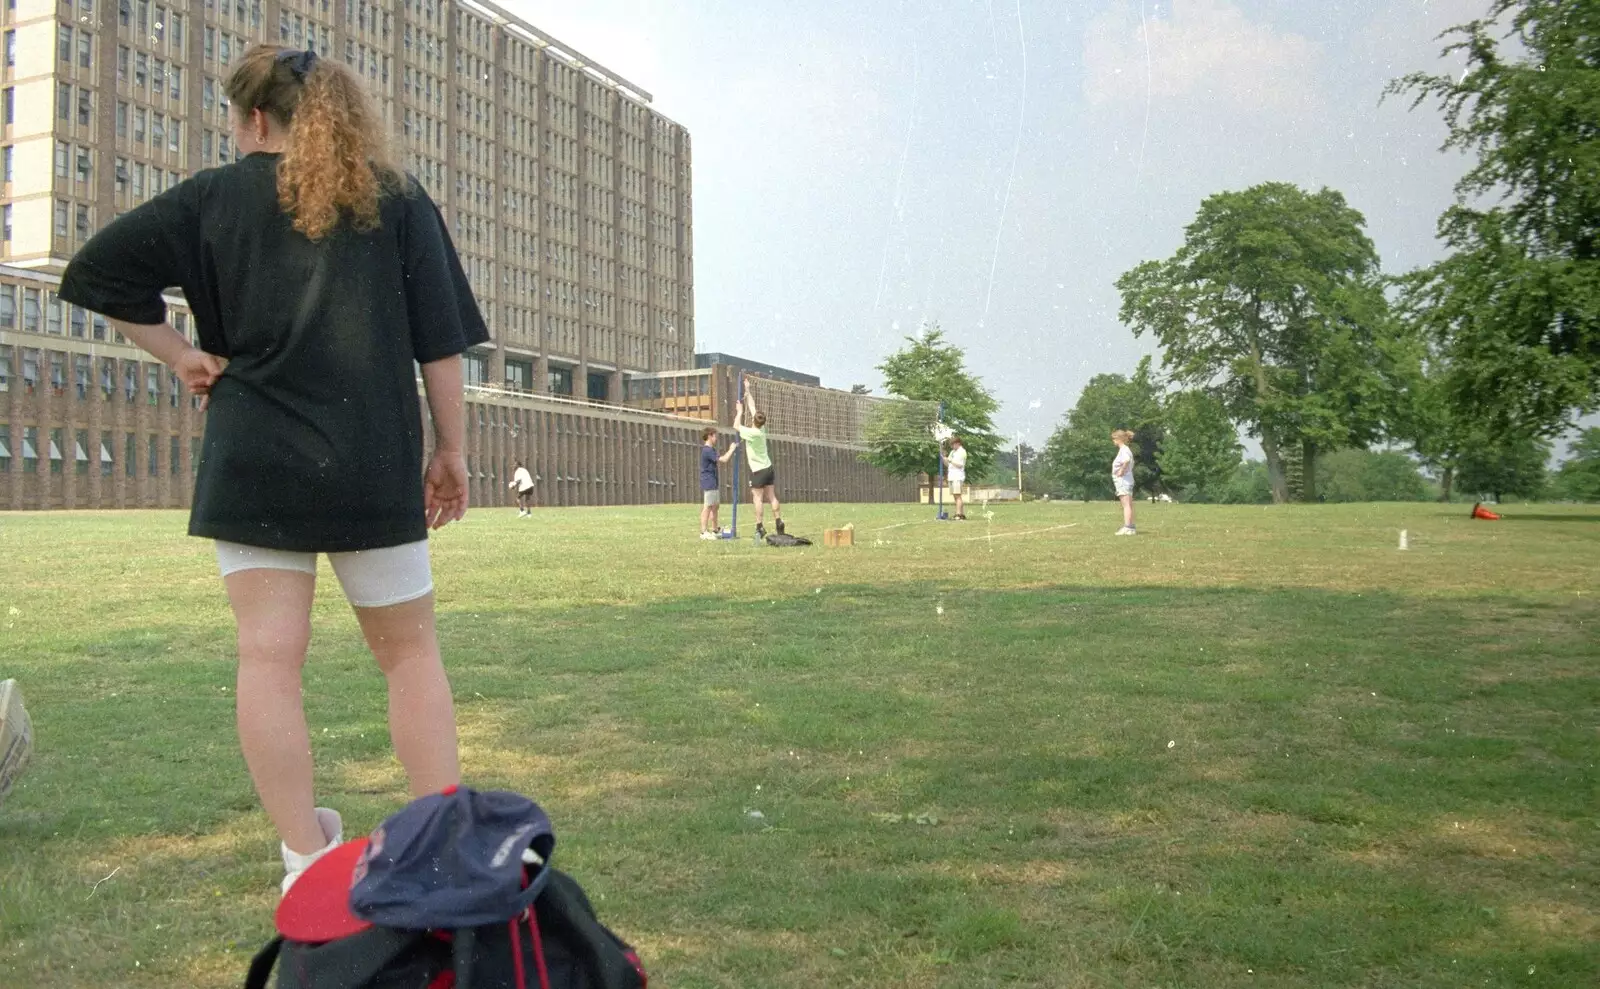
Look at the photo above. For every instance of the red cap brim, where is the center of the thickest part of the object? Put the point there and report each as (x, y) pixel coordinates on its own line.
(317, 906)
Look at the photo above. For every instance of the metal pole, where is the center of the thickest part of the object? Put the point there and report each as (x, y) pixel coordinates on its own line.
(738, 408)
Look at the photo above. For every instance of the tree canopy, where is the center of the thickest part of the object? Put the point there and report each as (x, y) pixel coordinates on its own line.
(1579, 476)
(1200, 449)
(931, 369)
(1275, 305)
(1516, 303)
(1078, 455)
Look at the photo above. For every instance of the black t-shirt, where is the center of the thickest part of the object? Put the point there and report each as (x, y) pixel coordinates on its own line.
(313, 440)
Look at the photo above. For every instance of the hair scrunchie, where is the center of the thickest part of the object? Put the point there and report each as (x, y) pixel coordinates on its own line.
(300, 63)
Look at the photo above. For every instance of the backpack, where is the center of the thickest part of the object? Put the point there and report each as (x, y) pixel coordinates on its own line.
(453, 892)
(784, 539)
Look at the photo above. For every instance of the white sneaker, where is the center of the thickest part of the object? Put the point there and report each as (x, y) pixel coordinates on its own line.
(1124, 531)
(708, 535)
(294, 864)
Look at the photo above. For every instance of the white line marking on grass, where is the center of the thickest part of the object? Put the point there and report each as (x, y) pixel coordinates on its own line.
(901, 525)
(1030, 532)
(108, 876)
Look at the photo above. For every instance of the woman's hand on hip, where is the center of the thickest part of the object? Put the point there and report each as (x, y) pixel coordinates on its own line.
(444, 489)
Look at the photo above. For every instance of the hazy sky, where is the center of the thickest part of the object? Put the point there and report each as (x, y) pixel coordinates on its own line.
(994, 165)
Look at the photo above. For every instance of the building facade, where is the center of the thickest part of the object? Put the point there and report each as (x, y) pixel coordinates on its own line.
(569, 198)
(88, 421)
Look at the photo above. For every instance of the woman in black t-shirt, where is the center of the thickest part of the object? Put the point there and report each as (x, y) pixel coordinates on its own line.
(318, 274)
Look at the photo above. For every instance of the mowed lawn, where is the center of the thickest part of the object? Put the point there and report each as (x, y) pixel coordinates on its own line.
(1249, 747)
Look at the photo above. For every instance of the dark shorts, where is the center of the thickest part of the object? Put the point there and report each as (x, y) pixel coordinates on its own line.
(764, 478)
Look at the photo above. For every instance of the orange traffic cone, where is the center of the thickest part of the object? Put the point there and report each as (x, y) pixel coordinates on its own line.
(1479, 512)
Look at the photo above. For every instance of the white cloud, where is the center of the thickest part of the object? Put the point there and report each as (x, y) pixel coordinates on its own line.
(1204, 50)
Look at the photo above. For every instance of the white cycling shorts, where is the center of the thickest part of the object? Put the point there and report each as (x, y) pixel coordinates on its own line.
(371, 578)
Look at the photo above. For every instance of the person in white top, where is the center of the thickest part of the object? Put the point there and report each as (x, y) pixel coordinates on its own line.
(523, 482)
(1122, 478)
(955, 463)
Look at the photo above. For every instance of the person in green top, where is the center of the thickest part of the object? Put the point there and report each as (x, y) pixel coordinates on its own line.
(763, 478)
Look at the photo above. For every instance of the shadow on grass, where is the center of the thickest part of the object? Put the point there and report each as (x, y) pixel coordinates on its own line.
(894, 785)
(1514, 516)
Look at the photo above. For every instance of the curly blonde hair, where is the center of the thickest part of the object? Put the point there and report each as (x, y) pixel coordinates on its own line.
(337, 162)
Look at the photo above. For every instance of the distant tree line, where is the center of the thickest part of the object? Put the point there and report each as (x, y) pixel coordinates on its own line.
(1275, 319)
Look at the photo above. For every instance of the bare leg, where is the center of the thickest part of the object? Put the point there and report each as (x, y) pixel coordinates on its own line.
(755, 495)
(772, 496)
(705, 518)
(273, 611)
(1127, 510)
(422, 721)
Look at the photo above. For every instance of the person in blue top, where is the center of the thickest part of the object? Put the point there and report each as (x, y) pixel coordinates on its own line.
(710, 485)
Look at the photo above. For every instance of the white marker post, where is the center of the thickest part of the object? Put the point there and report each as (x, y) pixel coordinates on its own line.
(1403, 542)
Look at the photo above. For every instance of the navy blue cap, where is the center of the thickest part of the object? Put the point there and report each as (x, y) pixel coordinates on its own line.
(452, 859)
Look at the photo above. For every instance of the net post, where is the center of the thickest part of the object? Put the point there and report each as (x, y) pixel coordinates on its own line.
(738, 407)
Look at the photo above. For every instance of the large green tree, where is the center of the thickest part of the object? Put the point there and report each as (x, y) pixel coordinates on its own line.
(1579, 477)
(1517, 301)
(1201, 449)
(1078, 454)
(1437, 431)
(1368, 475)
(1505, 465)
(1275, 305)
(931, 369)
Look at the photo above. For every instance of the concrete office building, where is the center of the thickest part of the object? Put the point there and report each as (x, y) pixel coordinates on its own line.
(568, 196)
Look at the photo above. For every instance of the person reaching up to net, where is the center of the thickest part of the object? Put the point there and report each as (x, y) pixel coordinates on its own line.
(763, 477)
(320, 273)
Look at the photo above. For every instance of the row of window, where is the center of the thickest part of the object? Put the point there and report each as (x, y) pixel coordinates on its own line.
(237, 12)
(150, 76)
(34, 310)
(29, 452)
(35, 362)
(73, 220)
(429, 47)
(151, 131)
(676, 386)
(368, 18)
(66, 49)
(151, 24)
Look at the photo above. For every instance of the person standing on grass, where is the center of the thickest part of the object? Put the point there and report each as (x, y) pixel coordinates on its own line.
(319, 273)
(1122, 478)
(763, 478)
(955, 463)
(523, 482)
(710, 482)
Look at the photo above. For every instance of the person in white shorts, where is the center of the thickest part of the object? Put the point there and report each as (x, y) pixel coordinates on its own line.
(955, 463)
(1122, 478)
(325, 277)
(523, 482)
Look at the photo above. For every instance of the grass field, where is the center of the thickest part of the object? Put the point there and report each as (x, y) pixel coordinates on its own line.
(1250, 747)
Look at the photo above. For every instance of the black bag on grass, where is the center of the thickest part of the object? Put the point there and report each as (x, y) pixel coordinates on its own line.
(453, 892)
(784, 539)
